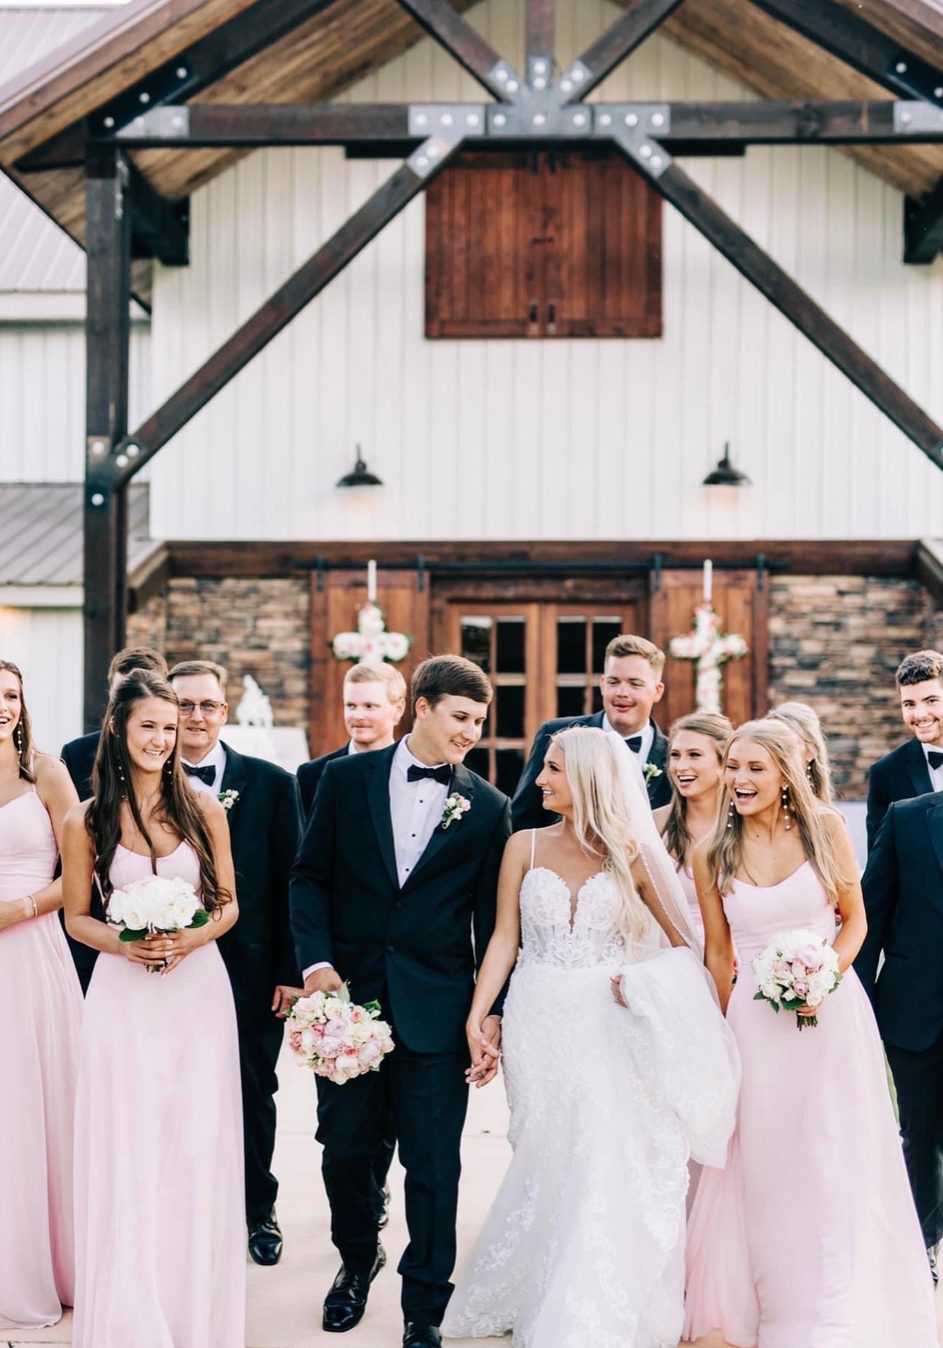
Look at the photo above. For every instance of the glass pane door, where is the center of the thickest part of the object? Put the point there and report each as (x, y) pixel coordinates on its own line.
(503, 641)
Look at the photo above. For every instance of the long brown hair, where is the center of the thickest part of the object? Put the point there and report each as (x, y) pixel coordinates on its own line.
(22, 742)
(809, 814)
(676, 837)
(804, 720)
(111, 778)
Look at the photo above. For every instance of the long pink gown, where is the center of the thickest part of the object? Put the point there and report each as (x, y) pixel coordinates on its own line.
(40, 1017)
(809, 1237)
(160, 1214)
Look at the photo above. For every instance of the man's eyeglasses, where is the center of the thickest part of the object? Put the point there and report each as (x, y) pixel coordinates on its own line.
(208, 708)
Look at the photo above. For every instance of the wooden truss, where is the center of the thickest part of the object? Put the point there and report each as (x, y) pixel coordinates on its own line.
(539, 105)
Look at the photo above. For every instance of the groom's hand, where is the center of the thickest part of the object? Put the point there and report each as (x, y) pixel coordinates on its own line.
(322, 980)
(284, 998)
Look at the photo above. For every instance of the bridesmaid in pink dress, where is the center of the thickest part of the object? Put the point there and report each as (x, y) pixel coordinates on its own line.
(696, 746)
(40, 1015)
(809, 1237)
(160, 1217)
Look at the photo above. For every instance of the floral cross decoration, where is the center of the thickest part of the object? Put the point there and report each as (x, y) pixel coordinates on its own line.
(710, 649)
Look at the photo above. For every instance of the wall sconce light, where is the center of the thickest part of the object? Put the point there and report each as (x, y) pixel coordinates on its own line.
(360, 475)
(725, 475)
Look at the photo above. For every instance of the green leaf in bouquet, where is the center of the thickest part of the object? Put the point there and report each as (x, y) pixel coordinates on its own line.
(200, 918)
(128, 935)
(372, 1007)
(342, 993)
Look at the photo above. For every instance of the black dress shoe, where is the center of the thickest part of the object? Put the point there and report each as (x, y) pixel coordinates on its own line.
(934, 1271)
(421, 1336)
(346, 1302)
(385, 1210)
(265, 1240)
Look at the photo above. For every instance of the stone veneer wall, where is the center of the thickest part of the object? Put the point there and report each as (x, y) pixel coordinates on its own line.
(257, 627)
(835, 643)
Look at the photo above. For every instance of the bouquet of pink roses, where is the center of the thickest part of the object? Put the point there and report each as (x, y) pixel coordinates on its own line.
(798, 969)
(335, 1038)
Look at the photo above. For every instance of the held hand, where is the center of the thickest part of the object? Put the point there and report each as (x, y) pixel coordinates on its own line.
(152, 950)
(484, 1051)
(181, 944)
(809, 1011)
(617, 996)
(284, 998)
(322, 980)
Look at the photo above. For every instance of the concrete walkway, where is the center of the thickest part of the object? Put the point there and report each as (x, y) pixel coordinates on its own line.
(285, 1301)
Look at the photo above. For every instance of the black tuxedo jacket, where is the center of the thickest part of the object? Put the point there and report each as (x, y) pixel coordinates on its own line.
(899, 775)
(527, 810)
(309, 774)
(903, 895)
(416, 948)
(264, 828)
(79, 757)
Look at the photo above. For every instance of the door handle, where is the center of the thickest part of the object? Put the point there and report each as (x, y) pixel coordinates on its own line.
(534, 313)
(552, 315)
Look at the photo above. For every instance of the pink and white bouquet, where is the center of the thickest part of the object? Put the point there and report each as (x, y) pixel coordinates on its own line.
(798, 969)
(155, 905)
(335, 1037)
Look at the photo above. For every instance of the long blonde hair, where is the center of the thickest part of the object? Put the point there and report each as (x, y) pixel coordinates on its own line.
(596, 766)
(805, 722)
(809, 816)
(716, 728)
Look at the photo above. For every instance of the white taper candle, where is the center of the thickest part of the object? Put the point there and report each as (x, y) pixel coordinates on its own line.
(708, 581)
(372, 581)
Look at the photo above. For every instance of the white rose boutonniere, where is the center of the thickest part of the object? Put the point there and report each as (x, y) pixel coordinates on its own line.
(651, 771)
(228, 799)
(455, 807)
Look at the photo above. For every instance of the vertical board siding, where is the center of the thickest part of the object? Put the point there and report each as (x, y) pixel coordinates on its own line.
(562, 439)
(46, 643)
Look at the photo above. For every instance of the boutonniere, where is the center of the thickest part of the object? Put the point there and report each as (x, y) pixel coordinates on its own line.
(455, 807)
(651, 771)
(228, 799)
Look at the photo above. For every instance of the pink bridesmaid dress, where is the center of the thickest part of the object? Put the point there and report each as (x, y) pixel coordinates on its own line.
(690, 893)
(809, 1237)
(40, 1016)
(160, 1213)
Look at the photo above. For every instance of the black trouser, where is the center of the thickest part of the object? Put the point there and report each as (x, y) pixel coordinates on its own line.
(918, 1078)
(427, 1096)
(259, 1045)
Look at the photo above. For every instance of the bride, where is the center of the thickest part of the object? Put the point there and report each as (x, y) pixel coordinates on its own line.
(619, 1066)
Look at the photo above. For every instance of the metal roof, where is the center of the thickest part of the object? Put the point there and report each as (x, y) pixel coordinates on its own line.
(41, 532)
(35, 254)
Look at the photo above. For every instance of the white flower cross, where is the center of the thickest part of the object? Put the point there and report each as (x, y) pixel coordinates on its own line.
(455, 807)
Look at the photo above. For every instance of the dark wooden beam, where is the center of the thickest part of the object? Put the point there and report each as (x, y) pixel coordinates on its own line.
(788, 297)
(540, 38)
(467, 46)
(612, 47)
(197, 67)
(278, 311)
(107, 327)
(159, 228)
(923, 227)
(249, 124)
(860, 45)
(881, 121)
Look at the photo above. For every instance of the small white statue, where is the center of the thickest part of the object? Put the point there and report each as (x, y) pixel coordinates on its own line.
(254, 707)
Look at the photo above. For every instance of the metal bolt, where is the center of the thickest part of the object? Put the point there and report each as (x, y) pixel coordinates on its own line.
(422, 161)
(645, 151)
(631, 119)
(539, 67)
(109, 122)
(605, 119)
(657, 119)
(901, 67)
(513, 86)
(566, 86)
(579, 119)
(98, 499)
(144, 96)
(539, 119)
(176, 121)
(499, 119)
(577, 74)
(472, 119)
(938, 91)
(432, 151)
(906, 118)
(182, 72)
(98, 446)
(656, 161)
(540, 83)
(501, 75)
(446, 119)
(122, 460)
(134, 451)
(421, 119)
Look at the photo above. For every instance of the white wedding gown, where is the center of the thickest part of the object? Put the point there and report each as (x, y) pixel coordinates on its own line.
(584, 1244)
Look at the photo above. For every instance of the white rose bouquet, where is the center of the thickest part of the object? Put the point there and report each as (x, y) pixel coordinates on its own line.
(797, 970)
(335, 1038)
(155, 905)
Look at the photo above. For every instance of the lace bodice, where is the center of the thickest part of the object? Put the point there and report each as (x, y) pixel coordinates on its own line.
(584, 939)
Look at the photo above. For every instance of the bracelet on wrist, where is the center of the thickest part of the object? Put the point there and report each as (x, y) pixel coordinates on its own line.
(32, 904)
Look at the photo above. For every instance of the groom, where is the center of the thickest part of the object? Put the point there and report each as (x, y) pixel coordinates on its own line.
(395, 891)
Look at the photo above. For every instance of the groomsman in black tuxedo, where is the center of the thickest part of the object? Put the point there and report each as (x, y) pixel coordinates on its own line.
(261, 803)
(914, 768)
(631, 684)
(374, 702)
(78, 756)
(903, 895)
(394, 890)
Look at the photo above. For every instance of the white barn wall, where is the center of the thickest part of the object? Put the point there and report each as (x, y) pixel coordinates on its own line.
(554, 439)
(42, 398)
(46, 643)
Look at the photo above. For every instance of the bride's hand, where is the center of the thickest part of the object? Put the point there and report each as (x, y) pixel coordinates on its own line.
(485, 1056)
(617, 997)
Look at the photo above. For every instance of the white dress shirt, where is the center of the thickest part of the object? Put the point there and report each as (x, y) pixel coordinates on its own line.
(216, 758)
(936, 774)
(415, 810)
(647, 734)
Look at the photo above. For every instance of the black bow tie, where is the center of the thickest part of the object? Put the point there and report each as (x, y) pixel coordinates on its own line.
(635, 743)
(207, 775)
(442, 774)
(935, 758)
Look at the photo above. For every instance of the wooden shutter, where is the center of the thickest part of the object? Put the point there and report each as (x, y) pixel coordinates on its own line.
(542, 244)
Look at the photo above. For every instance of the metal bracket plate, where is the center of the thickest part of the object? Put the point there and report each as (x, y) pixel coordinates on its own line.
(540, 119)
(636, 119)
(431, 153)
(446, 119)
(507, 79)
(914, 116)
(651, 157)
(168, 123)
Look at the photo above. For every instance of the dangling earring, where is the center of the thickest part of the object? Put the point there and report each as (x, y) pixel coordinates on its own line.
(120, 766)
(810, 772)
(785, 800)
(169, 766)
(18, 736)
(730, 815)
